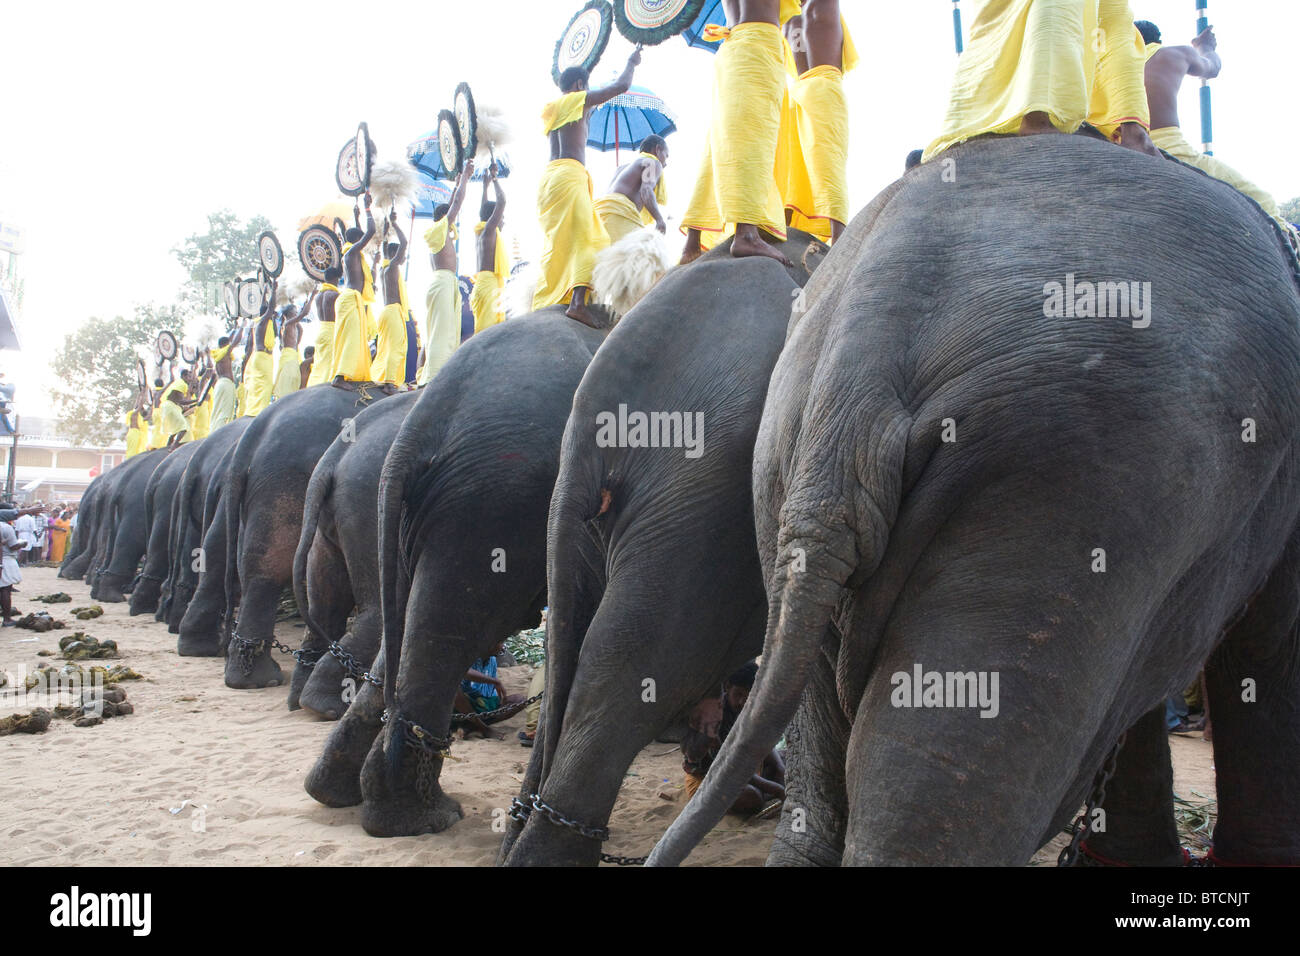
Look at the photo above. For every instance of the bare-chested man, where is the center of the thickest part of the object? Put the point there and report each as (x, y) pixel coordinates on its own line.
(572, 230)
(487, 299)
(635, 192)
(288, 373)
(223, 392)
(389, 367)
(1165, 70)
(352, 333)
(443, 300)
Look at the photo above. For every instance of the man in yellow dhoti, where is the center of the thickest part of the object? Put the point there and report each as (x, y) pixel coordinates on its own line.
(1042, 66)
(137, 432)
(1165, 69)
(737, 185)
(175, 430)
(351, 332)
(637, 192)
(223, 392)
(488, 298)
(816, 170)
(259, 367)
(389, 367)
(202, 414)
(288, 375)
(572, 230)
(156, 437)
(443, 301)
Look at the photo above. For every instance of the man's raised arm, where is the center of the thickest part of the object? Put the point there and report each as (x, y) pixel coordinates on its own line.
(619, 86)
(462, 187)
(1203, 55)
(499, 211)
(651, 170)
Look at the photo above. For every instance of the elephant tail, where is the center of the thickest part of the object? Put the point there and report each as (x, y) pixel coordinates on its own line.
(834, 523)
(319, 489)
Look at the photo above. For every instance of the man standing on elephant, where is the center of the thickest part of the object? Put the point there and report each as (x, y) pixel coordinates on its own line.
(1043, 66)
(637, 192)
(487, 300)
(259, 367)
(389, 368)
(565, 206)
(1165, 69)
(442, 327)
(223, 393)
(351, 335)
(288, 373)
(816, 187)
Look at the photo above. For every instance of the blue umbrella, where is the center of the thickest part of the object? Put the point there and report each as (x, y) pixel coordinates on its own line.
(627, 119)
(429, 195)
(694, 34)
(424, 155)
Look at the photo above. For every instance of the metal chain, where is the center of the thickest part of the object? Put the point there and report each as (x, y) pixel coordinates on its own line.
(520, 811)
(1083, 825)
(496, 716)
(246, 652)
(352, 665)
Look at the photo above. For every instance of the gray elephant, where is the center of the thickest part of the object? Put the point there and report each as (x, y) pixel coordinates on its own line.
(1036, 468)
(652, 565)
(265, 487)
(335, 569)
(89, 510)
(123, 534)
(158, 497)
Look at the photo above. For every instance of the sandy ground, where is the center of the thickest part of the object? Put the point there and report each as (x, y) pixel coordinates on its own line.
(116, 793)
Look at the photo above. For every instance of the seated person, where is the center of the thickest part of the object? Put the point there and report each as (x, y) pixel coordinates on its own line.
(482, 692)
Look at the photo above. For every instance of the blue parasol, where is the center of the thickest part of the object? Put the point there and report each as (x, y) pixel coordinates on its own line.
(429, 195)
(694, 34)
(423, 154)
(627, 119)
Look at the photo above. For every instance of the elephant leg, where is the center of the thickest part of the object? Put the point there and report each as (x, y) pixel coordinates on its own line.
(320, 686)
(532, 783)
(331, 688)
(335, 778)
(249, 663)
(145, 597)
(1253, 684)
(200, 627)
(1139, 828)
(813, 819)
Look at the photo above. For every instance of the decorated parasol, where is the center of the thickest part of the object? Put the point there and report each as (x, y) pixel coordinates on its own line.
(338, 210)
(430, 193)
(653, 21)
(712, 13)
(627, 119)
(426, 157)
(584, 40)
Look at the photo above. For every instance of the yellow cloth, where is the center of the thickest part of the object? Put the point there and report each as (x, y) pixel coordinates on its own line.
(323, 360)
(1151, 50)
(389, 365)
(661, 193)
(816, 188)
(737, 183)
(221, 351)
(368, 285)
(486, 301)
(259, 381)
(442, 327)
(500, 264)
(436, 236)
(567, 109)
(1173, 142)
(173, 422)
(573, 231)
(241, 393)
(691, 784)
(223, 403)
(1051, 56)
(351, 343)
(620, 216)
(203, 419)
(714, 32)
(156, 439)
(136, 437)
(288, 374)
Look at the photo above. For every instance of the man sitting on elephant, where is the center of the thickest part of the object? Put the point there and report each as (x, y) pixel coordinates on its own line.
(637, 192)
(710, 723)
(1079, 61)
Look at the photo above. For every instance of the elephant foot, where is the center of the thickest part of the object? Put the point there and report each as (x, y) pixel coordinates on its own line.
(410, 816)
(201, 644)
(297, 681)
(109, 595)
(143, 604)
(335, 779)
(329, 690)
(249, 665)
(406, 800)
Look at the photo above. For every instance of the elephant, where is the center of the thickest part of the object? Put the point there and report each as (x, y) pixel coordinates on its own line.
(463, 499)
(124, 529)
(158, 496)
(958, 475)
(265, 487)
(205, 471)
(335, 570)
(652, 566)
(77, 559)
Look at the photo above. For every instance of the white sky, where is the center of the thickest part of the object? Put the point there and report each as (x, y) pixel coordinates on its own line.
(123, 125)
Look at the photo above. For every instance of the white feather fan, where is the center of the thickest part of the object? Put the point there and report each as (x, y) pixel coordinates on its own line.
(493, 133)
(629, 269)
(392, 183)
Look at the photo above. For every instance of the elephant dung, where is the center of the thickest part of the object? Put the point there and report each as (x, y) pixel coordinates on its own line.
(37, 722)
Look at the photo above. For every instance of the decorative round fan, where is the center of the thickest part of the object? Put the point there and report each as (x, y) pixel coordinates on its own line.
(319, 249)
(208, 382)
(654, 21)
(450, 147)
(347, 173)
(141, 376)
(189, 354)
(584, 40)
(365, 154)
(230, 298)
(466, 119)
(270, 254)
(167, 346)
(250, 298)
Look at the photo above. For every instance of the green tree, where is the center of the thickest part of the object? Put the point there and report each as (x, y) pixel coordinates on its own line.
(96, 371)
(228, 250)
(1291, 210)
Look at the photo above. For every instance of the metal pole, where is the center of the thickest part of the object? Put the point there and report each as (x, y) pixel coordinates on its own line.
(1207, 119)
(617, 136)
(956, 25)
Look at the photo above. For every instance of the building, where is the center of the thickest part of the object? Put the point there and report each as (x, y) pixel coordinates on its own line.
(48, 467)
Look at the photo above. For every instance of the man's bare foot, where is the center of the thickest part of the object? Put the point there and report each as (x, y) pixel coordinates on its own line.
(389, 389)
(693, 250)
(580, 313)
(344, 384)
(747, 244)
(1035, 123)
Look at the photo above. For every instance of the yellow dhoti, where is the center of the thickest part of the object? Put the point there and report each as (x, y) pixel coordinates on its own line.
(288, 374)
(323, 359)
(619, 215)
(442, 327)
(389, 365)
(351, 338)
(259, 381)
(172, 423)
(816, 174)
(223, 402)
(1173, 142)
(485, 301)
(1075, 60)
(573, 232)
(737, 183)
(203, 419)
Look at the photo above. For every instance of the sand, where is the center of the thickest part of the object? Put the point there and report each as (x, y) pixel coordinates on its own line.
(202, 774)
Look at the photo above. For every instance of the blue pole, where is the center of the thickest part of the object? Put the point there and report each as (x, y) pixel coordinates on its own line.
(956, 24)
(1207, 119)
